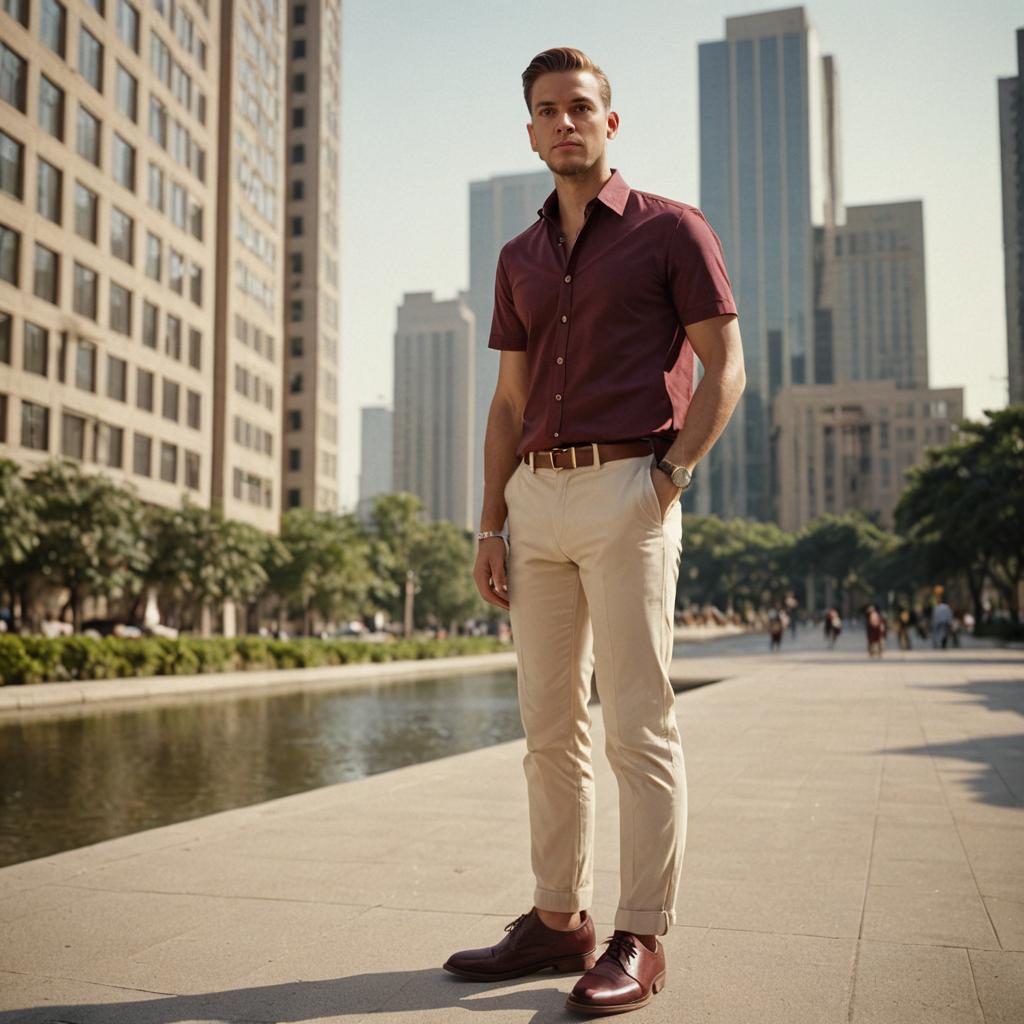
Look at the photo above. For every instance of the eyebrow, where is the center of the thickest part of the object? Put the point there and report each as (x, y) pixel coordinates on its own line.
(575, 99)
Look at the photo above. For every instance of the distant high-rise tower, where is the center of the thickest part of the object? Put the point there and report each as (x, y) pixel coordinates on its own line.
(1011, 140)
(376, 446)
(309, 451)
(769, 174)
(499, 209)
(874, 297)
(433, 444)
(249, 275)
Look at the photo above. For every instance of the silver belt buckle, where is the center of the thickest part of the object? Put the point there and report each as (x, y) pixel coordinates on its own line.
(554, 451)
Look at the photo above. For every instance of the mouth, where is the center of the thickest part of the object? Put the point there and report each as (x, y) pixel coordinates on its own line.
(568, 145)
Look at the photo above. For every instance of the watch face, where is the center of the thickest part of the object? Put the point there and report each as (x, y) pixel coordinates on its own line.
(681, 477)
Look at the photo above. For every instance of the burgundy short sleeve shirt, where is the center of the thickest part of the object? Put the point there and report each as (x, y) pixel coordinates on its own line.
(604, 328)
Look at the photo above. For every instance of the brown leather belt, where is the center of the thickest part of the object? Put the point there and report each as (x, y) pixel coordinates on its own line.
(591, 454)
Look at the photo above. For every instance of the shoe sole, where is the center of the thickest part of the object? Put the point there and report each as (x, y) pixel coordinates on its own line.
(604, 1011)
(562, 965)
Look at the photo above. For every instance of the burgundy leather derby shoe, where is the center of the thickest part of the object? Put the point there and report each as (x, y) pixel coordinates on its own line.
(623, 979)
(529, 946)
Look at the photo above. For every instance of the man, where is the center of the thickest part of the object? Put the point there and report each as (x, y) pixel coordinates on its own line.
(591, 439)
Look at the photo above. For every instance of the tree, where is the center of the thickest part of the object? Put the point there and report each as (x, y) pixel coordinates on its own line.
(395, 530)
(325, 569)
(444, 557)
(91, 538)
(19, 525)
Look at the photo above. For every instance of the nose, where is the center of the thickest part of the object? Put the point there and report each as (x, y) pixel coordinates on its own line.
(566, 124)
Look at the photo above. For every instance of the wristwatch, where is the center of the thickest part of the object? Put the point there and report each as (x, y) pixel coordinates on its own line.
(679, 475)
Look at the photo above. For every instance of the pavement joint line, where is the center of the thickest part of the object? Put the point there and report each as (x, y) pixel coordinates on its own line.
(86, 981)
(211, 895)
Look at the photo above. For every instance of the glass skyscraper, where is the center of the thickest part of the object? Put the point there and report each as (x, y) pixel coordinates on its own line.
(768, 167)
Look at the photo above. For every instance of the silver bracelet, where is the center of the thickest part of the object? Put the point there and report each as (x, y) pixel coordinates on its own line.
(485, 534)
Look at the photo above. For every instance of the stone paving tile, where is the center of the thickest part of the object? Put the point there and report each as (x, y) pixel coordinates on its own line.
(934, 918)
(898, 984)
(1008, 919)
(999, 978)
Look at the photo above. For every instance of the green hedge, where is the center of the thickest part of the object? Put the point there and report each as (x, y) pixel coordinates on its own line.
(32, 659)
(1002, 630)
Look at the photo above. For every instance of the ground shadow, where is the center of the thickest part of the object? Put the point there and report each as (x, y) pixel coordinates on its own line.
(995, 694)
(1000, 760)
(290, 1003)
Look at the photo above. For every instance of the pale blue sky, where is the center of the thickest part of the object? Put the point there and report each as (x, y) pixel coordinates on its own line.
(431, 101)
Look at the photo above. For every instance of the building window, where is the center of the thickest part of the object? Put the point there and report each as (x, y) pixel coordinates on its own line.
(52, 25)
(157, 121)
(108, 445)
(142, 455)
(297, 348)
(85, 366)
(150, 324)
(36, 350)
(159, 59)
(46, 274)
(176, 279)
(195, 220)
(298, 49)
(120, 309)
(295, 384)
(88, 140)
(86, 212)
(144, 390)
(90, 58)
(195, 283)
(294, 497)
(298, 153)
(294, 458)
(72, 436)
(123, 163)
(122, 234)
(298, 117)
(192, 470)
(299, 14)
(84, 300)
(10, 250)
(127, 90)
(128, 24)
(12, 78)
(117, 379)
(296, 311)
(296, 262)
(294, 419)
(51, 108)
(6, 328)
(195, 349)
(154, 256)
(168, 462)
(48, 190)
(193, 409)
(12, 166)
(35, 426)
(3, 419)
(169, 409)
(172, 342)
(156, 187)
(299, 82)
(298, 189)
(179, 199)
(18, 10)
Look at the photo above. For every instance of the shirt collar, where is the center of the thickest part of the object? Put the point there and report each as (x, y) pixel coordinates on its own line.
(614, 195)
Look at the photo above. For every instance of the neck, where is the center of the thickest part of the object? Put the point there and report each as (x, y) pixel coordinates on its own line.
(576, 190)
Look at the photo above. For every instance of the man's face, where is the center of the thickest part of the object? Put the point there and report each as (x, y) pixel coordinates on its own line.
(570, 125)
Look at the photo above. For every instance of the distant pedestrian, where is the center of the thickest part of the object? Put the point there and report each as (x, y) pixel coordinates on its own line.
(791, 606)
(876, 632)
(833, 627)
(904, 624)
(776, 628)
(942, 619)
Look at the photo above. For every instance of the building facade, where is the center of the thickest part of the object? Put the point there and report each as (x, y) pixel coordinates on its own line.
(1011, 141)
(312, 284)
(376, 454)
(249, 278)
(849, 446)
(769, 175)
(108, 165)
(433, 403)
(499, 209)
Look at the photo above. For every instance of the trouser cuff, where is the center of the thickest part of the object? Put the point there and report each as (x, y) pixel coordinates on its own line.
(644, 922)
(559, 901)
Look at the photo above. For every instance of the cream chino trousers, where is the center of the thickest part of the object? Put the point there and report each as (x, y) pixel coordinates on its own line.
(592, 573)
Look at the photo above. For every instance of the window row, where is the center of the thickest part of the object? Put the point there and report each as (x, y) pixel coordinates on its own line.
(172, 198)
(174, 138)
(254, 387)
(250, 488)
(180, 269)
(249, 435)
(255, 338)
(176, 78)
(184, 27)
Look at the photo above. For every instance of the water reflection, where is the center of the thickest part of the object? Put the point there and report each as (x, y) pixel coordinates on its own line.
(67, 782)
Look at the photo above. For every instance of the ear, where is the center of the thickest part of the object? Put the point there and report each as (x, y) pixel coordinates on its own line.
(533, 137)
(613, 125)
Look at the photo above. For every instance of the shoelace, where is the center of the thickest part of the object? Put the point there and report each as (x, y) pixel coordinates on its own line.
(621, 946)
(513, 925)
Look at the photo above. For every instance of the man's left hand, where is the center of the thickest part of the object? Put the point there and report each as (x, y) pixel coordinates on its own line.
(666, 491)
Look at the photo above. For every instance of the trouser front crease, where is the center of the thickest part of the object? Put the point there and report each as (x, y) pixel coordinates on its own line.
(592, 578)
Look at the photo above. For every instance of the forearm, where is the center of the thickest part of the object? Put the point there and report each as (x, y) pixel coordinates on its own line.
(504, 429)
(710, 410)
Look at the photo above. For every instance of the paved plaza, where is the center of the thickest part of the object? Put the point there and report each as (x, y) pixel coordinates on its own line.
(855, 854)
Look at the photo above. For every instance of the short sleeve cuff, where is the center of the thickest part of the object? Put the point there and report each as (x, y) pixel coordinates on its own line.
(507, 344)
(706, 310)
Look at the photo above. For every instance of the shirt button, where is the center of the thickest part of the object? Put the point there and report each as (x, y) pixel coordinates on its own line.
(558, 398)
(555, 434)
(568, 278)
(564, 318)
(559, 360)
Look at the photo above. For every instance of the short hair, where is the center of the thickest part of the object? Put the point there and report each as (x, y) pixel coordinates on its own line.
(564, 58)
